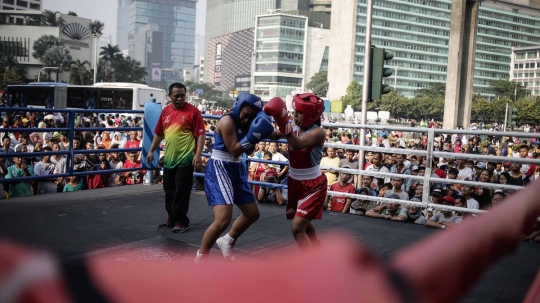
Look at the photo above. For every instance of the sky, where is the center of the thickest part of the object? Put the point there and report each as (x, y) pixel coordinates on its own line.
(105, 11)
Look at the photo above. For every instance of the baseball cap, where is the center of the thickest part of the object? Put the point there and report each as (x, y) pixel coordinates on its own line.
(481, 165)
(449, 200)
(437, 192)
(415, 168)
(394, 196)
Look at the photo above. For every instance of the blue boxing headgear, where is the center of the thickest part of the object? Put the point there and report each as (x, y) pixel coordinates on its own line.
(246, 98)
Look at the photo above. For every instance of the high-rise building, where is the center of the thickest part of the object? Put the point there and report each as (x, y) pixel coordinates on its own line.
(122, 24)
(229, 16)
(321, 6)
(20, 5)
(287, 54)
(201, 69)
(162, 37)
(417, 32)
(525, 67)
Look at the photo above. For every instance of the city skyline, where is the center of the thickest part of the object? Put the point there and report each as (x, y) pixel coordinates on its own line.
(94, 10)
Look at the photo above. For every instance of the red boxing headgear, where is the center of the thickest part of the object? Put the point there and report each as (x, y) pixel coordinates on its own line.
(310, 105)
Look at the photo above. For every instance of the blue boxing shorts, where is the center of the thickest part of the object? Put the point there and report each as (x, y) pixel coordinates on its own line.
(226, 183)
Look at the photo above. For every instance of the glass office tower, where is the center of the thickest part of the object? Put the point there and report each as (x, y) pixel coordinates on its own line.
(163, 35)
(417, 31)
(280, 42)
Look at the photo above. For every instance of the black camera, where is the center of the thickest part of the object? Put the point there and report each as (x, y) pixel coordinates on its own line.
(272, 179)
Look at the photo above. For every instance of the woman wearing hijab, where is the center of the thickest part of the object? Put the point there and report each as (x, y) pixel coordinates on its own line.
(106, 140)
(118, 139)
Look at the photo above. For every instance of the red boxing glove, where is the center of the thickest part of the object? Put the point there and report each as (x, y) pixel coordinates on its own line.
(278, 110)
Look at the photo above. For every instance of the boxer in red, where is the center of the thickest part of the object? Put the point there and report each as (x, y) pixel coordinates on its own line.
(306, 142)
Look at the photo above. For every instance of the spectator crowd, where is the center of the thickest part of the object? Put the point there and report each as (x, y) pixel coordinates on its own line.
(399, 188)
(103, 143)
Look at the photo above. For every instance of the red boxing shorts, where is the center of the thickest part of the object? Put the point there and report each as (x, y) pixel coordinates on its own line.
(306, 197)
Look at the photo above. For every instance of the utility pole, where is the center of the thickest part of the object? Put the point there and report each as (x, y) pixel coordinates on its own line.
(505, 117)
(367, 73)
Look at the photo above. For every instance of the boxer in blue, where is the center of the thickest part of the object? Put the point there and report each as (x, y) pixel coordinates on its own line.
(225, 180)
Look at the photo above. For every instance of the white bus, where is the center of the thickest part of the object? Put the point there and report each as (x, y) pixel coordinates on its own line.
(125, 96)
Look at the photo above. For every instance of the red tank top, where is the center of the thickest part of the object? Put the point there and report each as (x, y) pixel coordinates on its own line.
(307, 157)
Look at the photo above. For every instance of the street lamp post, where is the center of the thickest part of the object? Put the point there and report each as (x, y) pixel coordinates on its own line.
(395, 76)
(96, 56)
(39, 73)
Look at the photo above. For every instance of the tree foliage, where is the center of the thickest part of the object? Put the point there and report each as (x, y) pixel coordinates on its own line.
(11, 76)
(353, 96)
(434, 90)
(210, 93)
(113, 67)
(48, 18)
(42, 44)
(508, 89)
(71, 13)
(78, 74)
(96, 27)
(8, 62)
(57, 56)
(319, 83)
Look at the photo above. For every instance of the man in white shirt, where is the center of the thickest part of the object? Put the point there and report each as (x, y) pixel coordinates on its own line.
(45, 168)
(277, 156)
(465, 173)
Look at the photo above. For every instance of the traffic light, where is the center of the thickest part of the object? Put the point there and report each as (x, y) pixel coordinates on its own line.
(512, 116)
(378, 72)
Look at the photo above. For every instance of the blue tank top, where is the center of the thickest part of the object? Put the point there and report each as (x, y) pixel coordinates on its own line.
(219, 144)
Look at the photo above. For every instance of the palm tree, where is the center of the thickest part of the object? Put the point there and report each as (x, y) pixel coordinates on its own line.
(78, 74)
(44, 43)
(110, 52)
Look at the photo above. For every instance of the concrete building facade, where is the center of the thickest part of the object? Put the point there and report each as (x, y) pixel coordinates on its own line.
(34, 5)
(229, 57)
(75, 36)
(417, 32)
(162, 37)
(229, 16)
(525, 67)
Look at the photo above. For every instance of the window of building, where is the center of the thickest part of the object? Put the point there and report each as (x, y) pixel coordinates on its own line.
(520, 56)
(531, 55)
(22, 3)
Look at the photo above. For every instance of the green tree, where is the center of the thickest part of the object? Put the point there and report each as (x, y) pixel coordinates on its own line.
(508, 89)
(526, 111)
(48, 18)
(481, 109)
(434, 90)
(44, 43)
(319, 83)
(499, 108)
(96, 27)
(11, 76)
(57, 56)
(128, 70)
(353, 96)
(395, 103)
(72, 13)
(110, 52)
(8, 61)
(78, 74)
